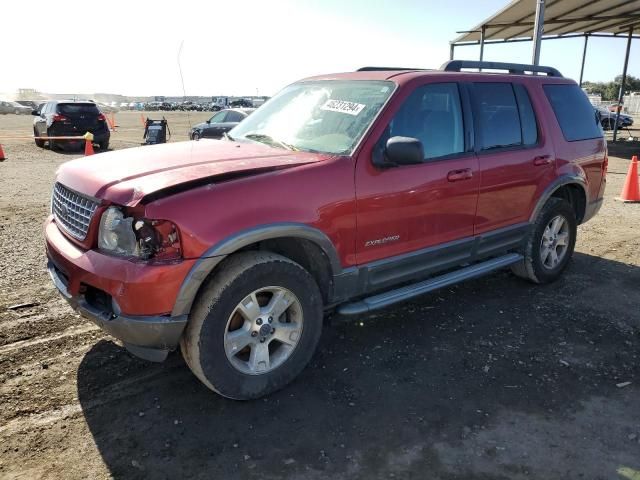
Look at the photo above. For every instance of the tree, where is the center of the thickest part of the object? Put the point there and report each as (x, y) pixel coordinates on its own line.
(609, 90)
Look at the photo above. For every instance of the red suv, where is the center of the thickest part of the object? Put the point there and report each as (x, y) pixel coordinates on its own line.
(348, 191)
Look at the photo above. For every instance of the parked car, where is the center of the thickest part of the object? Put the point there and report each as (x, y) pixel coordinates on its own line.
(59, 118)
(345, 192)
(608, 119)
(31, 105)
(242, 103)
(13, 107)
(221, 123)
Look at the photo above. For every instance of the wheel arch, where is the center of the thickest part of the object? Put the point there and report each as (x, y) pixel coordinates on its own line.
(305, 245)
(572, 188)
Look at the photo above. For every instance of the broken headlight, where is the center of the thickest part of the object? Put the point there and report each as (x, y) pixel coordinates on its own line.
(156, 240)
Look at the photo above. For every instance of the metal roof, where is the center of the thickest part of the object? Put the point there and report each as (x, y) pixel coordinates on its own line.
(561, 17)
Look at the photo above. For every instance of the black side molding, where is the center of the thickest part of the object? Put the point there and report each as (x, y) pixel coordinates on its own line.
(516, 68)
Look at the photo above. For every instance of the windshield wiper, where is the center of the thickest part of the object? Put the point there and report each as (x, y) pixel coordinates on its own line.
(228, 137)
(269, 140)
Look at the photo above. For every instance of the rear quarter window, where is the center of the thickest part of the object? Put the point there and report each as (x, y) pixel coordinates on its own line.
(575, 114)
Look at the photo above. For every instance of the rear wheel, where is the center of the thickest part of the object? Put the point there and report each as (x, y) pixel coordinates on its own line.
(550, 244)
(52, 144)
(39, 143)
(195, 136)
(254, 326)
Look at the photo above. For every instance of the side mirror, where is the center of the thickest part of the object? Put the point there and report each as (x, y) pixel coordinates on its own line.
(35, 112)
(208, 121)
(403, 151)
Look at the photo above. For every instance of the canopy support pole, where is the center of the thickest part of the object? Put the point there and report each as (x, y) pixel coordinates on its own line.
(624, 79)
(538, 31)
(584, 55)
(452, 47)
(482, 32)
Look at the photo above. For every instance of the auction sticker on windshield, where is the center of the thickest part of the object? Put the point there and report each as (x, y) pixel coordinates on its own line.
(342, 106)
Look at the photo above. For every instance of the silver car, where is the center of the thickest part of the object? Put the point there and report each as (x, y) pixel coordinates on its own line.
(13, 107)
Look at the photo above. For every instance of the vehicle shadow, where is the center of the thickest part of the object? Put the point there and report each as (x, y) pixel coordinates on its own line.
(494, 378)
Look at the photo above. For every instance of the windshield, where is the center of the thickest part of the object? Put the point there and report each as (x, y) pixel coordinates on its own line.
(327, 116)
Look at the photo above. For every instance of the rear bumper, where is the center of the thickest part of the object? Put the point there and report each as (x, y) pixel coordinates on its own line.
(131, 301)
(99, 134)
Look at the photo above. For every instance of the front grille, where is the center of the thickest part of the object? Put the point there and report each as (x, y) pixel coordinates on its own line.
(72, 211)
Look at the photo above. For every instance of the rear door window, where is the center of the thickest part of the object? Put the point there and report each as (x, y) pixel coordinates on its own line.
(575, 114)
(234, 117)
(77, 108)
(498, 114)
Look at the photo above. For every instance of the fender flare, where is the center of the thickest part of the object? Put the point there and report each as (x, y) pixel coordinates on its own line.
(214, 255)
(555, 185)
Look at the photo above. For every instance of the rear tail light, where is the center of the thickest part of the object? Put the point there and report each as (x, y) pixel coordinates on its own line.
(101, 118)
(59, 118)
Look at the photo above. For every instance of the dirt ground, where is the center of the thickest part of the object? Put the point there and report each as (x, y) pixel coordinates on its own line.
(492, 379)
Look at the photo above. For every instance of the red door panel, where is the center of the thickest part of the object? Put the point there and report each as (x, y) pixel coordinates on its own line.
(407, 208)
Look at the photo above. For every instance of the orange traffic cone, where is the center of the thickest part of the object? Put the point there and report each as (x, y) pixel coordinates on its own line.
(631, 190)
(113, 121)
(142, 119)
(109, 123)
(2, 157)
(88, 144)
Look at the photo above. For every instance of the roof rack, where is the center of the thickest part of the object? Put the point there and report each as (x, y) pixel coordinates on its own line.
(382, 69)
(516, 68)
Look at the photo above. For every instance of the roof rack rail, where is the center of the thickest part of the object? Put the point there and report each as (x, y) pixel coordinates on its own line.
(516, 68)
(375, 69)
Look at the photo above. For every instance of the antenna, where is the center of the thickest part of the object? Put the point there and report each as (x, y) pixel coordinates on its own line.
(184, 92)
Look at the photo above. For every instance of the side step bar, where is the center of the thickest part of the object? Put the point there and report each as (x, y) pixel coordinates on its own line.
(401, 294)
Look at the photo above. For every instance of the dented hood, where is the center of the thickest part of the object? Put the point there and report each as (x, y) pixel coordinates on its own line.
(126, 176)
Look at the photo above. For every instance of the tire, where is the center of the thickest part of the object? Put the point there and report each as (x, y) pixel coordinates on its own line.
(104, 146)
(538, 264)
(243, 279)
(195, 136)
(39, 143)
(52, 145)
(17, 111)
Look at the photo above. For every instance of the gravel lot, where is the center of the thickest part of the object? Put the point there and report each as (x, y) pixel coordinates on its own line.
(494, 378)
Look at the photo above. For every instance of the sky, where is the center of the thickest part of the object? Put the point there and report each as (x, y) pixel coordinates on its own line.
(249, 47)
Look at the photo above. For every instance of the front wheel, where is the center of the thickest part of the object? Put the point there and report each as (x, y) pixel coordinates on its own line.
(254, 326)
(195, 136)
(550, 243)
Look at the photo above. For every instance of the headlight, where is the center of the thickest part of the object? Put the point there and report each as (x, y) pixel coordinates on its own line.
(156, 240)
(116, 234)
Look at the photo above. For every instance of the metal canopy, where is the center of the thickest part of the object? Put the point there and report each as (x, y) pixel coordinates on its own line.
(561, 17)
(537, 20)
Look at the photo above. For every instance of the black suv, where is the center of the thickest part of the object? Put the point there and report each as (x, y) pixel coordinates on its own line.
(68, 118)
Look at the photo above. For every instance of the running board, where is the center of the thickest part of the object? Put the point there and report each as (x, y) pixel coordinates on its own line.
(401, 294)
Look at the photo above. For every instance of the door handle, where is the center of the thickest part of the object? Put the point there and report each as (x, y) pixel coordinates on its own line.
(457, 175)
(542, 160)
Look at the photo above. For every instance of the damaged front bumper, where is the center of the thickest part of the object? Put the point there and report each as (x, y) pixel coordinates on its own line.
(148, 337)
